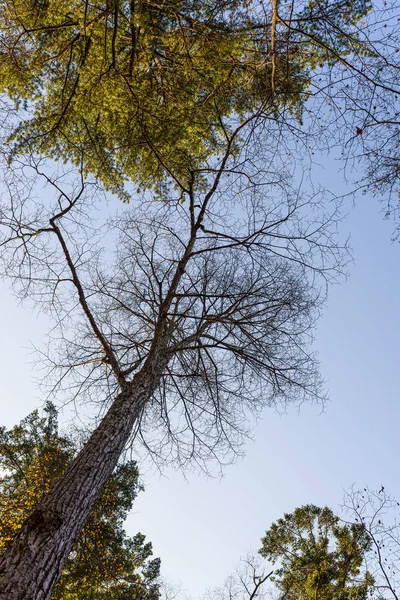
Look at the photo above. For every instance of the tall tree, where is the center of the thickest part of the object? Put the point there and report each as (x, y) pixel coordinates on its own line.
(249, 581)
(319, 557)
(206, 313)
(203, 317)
(105, 564)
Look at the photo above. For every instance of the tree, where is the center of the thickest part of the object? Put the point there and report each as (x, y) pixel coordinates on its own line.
(375, 111)
(105, 563)
(201, 319)
(377, 511)
(140, 90)
(146, 92)
(207, 312)
(319, 556)
(143, 92)
(249, 581)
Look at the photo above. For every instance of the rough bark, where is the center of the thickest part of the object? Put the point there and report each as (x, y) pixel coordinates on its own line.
(32, 564)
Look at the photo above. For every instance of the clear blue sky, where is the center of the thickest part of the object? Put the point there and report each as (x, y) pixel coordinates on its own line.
(200, 527)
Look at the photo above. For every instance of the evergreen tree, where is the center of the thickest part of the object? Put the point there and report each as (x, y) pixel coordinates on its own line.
(182, 93)
(319, 557)
(148, 91)
(105, 563)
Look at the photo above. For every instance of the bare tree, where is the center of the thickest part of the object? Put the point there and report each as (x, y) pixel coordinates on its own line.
(378, 511)
(203, 315)
(369, 109)
(248, 582)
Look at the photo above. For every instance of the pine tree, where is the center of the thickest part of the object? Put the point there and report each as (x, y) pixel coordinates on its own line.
(318, 556)
(105, 563)
(146, 91)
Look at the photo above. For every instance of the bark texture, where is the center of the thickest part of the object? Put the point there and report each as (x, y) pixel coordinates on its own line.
(32, 564)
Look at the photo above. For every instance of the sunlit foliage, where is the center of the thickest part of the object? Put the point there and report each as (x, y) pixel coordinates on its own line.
(319, 557)
(105, 563)
(147, 91)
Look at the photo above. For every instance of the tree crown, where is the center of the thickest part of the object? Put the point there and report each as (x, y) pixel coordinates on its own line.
(319, 557)
(146, 91)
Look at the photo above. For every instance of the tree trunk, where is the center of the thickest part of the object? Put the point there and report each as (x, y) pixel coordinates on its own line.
(32, 564)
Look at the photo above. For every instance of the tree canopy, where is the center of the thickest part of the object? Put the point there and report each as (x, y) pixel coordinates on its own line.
(206, 313)
(319, 557)
(105, 563)
(148, 91)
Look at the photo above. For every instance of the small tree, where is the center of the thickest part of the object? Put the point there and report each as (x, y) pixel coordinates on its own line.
(319, 557)
(104, 563)
(249, 581)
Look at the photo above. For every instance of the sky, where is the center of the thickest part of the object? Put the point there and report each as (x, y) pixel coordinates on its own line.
(200, 527)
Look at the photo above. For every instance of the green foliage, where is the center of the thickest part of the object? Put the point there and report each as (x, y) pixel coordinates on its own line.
(105, 564)
(147, 91)
(319, 558)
